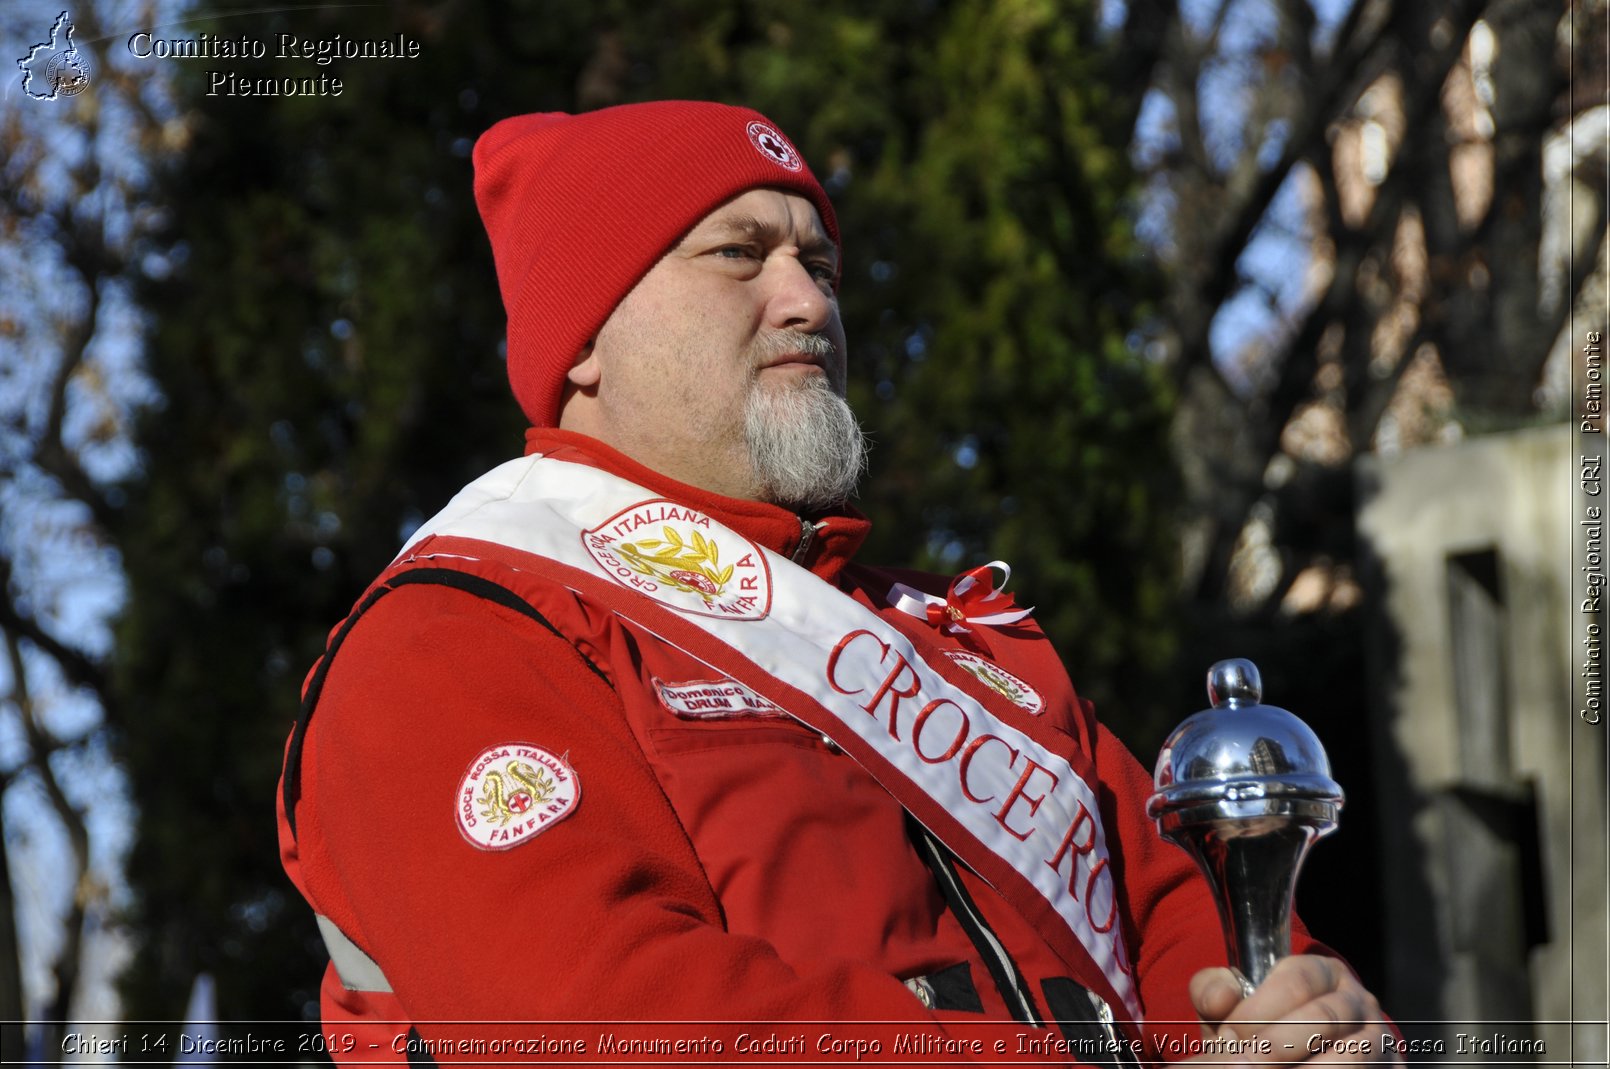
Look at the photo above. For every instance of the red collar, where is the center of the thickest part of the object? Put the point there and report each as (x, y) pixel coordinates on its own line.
(835, 539)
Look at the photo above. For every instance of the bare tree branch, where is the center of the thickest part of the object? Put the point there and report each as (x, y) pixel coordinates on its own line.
(1181, 72)
(1296, 368)
(1296, 21)
(52, 453)
(1145, 34)
(76, 666)
(1213, 277)
(69, 958)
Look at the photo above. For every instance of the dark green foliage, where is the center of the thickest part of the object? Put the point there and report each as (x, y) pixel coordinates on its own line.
(991, 281)
(328, 355)
(327, 348)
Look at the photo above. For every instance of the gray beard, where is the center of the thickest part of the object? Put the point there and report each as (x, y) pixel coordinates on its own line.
(805, 446)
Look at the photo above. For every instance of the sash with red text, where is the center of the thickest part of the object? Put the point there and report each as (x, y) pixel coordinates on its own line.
(1004, 798)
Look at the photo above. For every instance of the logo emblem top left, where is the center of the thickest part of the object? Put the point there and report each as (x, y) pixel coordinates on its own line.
(55, 68)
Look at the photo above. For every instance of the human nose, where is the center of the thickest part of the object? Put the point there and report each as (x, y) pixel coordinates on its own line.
(799, 301)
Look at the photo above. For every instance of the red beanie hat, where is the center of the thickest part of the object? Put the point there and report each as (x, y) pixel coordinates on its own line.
(579, 207)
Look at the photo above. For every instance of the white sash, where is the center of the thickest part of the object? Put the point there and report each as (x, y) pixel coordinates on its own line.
(867, 686)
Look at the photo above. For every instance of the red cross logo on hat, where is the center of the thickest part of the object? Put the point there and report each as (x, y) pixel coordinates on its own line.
(773, 145)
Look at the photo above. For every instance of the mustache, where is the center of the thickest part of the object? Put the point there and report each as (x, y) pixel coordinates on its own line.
(781, 342)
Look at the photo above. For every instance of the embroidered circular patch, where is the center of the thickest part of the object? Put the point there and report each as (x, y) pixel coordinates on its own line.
(684, 559)
(512, 793)
(1000, 680)
(773, 145)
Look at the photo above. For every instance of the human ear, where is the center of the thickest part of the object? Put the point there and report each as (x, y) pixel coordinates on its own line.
(585, 372)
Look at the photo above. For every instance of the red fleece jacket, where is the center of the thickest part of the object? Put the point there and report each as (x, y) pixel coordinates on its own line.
(736, 869)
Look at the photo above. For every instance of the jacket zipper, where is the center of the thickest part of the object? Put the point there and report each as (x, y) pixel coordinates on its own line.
(1122, 1053)
(1005, 972)
(807, 537)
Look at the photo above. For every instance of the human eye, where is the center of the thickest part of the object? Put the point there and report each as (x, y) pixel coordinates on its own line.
(736, 252)
(825, 273)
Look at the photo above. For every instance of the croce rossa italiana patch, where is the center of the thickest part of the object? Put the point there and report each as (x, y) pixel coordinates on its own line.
(1000, 680)
(513, 792)
(682, 558)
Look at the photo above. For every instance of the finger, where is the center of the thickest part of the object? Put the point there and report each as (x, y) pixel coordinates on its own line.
(1214, 993)
(1337, 1026)
(1372, 1042)
(1292, 983)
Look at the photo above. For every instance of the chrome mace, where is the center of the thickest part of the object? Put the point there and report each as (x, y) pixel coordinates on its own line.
(1245, 789)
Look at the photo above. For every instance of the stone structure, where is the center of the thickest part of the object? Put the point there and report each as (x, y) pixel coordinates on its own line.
(1491, 789)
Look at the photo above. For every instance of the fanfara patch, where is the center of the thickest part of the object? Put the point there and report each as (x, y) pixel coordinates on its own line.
(512, 793)
(773, 145)
(1000, 680)
(681, 557)
(715, 699)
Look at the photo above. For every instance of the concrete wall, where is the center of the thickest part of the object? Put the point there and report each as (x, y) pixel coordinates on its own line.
(1492, 789)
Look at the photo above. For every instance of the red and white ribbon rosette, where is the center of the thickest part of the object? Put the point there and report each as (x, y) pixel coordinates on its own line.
(973, 598)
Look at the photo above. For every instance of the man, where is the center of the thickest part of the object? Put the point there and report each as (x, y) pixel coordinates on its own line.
(627, 734)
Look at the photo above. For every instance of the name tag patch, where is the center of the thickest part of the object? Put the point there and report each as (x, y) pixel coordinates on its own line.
(715, 699)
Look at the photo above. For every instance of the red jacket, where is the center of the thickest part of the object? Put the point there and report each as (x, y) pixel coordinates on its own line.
(706, 860)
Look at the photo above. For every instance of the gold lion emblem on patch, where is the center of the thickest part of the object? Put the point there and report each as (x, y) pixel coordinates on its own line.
(1000, 681)
(516, 790)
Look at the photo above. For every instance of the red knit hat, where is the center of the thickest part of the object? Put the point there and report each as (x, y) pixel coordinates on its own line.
(579, 207)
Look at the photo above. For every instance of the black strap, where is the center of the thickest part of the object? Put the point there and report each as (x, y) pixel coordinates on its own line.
(1007, 977)
(470, 584)
(953, 989)
(417, 1055)
(1094, 1041)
